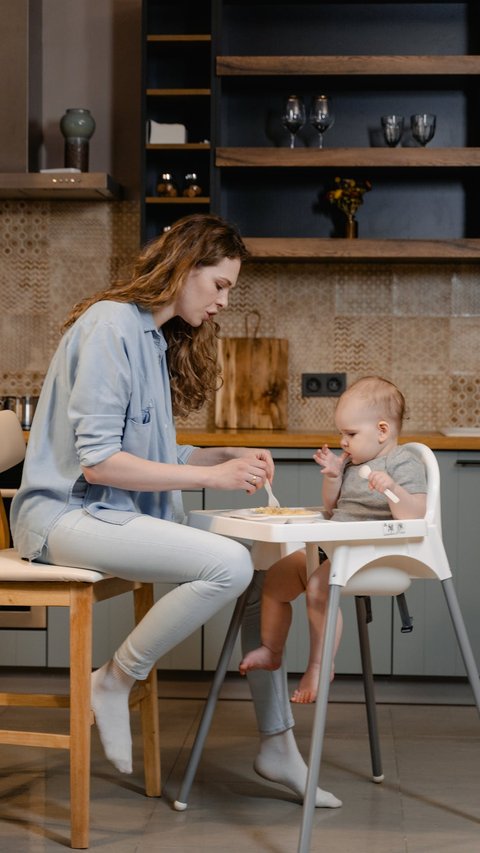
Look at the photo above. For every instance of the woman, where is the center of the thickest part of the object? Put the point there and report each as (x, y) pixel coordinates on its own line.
(103, 474)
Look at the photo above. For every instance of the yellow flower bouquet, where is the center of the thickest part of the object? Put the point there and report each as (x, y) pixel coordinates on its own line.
(348, 196)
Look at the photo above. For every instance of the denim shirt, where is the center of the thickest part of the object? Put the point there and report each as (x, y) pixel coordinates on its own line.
(107, 389)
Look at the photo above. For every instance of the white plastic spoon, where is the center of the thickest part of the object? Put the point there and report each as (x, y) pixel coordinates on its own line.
(272, 500)
(365, 472)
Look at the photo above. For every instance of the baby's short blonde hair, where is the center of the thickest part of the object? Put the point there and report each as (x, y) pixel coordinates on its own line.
(381, 395)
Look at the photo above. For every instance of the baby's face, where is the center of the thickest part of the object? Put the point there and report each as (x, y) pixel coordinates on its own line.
(361, 436)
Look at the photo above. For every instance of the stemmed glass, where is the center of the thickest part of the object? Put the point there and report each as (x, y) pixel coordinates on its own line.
(321, 116)
(293, 117)
(392, 129)
(423, 127)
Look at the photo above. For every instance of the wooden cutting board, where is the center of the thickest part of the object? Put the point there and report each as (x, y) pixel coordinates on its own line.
(254, 393)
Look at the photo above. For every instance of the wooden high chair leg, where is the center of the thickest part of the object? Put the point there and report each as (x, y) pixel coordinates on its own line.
(143, 597)
(80, 713)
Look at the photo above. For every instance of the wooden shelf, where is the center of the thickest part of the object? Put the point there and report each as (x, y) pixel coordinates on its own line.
(179, 199)
(353, 157)
(191, 146)
(178, 93)
(351, 65)
(326, 249)
(179, 38)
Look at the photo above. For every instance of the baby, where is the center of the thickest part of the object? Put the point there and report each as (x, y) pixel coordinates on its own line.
(369, 418)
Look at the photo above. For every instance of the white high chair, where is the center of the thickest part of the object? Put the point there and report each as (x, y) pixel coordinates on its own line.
(382, 566)
(30, 584)
(367, 558)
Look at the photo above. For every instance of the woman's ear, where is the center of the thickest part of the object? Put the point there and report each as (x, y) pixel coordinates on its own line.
(383, 428)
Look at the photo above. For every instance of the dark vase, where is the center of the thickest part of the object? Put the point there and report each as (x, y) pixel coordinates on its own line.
(77, 126)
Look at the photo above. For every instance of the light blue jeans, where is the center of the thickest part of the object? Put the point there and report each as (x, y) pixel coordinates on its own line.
(210, 571)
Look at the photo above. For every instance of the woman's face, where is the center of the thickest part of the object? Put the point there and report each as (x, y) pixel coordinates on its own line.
(205, 291)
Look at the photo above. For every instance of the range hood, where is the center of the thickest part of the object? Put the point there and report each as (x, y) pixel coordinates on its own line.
(21, 109)
(95, 186)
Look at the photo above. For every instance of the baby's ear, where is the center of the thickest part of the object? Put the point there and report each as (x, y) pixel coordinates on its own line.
(383, 428)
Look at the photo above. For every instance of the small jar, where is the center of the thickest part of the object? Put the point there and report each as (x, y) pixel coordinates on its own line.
(192, 187)
(166, 186)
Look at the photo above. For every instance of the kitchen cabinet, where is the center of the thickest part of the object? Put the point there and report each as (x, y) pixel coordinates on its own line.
(277, 195)
(431, 649)
(371, 59)
(176, 90)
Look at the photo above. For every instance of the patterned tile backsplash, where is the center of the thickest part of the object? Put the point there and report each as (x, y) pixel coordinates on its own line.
(418, 325)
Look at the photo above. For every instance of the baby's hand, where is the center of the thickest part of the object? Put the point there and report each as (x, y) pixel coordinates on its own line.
(332, 465)
(380, 481)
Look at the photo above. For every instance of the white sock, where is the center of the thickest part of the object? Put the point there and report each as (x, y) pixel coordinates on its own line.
(279, 760)
(110, 690)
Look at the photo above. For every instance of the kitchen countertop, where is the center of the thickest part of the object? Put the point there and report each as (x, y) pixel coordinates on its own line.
(298, 439)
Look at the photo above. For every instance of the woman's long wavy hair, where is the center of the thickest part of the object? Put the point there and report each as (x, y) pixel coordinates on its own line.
(156, 278)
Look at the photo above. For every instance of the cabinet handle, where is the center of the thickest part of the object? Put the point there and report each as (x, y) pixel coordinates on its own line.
(467, 463)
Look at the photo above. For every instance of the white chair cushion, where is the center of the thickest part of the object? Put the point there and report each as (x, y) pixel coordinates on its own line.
(13, 568)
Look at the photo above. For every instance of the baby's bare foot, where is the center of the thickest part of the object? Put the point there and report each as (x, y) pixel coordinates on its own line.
(308, 688)
(261, 658)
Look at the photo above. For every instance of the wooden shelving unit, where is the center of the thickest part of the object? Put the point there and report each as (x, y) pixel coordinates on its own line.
(177, 146)
(198, 199)
(338, 249)
(433, 190)
(335, 66)
(266, 187)
(177, 90)
(181, 37)
(353, 157)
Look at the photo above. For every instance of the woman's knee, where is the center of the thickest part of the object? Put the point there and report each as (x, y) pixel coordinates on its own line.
(241, 568)
(233, 570)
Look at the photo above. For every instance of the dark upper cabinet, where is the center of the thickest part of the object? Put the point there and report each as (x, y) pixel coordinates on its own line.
(224, 68)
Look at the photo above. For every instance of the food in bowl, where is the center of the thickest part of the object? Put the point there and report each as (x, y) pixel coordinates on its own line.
(283, 510)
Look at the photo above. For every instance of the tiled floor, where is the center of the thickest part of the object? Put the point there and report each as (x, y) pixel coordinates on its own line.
(429, 802)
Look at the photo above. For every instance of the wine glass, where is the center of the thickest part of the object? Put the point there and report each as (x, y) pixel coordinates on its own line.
(293, 117)
(423, 127)
(321, 116)
(392, 129)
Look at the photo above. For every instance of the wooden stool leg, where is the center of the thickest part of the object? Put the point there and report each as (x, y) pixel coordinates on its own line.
(143, 597)
(81, 603)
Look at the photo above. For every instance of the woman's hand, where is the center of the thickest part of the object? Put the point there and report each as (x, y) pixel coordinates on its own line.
(247, 473)
(235, 467)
